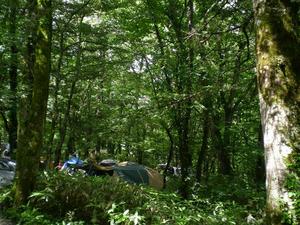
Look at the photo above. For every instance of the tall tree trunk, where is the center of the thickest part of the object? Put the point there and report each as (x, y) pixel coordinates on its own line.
(34, 106)
(278, 67)
(184, 154)
(184, 85)
(226, 148)
(65, 121)
(204, 147)
(54, 122)
(64, 125)
(170, 155)
(55, 112)
(13, 123)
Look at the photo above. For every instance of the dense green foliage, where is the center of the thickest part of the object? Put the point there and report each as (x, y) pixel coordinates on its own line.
(116, 83)
(100, 200)
(170, 81)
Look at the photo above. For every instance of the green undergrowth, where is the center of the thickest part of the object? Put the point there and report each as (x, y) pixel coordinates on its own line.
(77, 200)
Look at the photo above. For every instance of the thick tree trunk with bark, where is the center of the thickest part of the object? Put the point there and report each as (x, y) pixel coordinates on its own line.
(278, 68)
(32, 115)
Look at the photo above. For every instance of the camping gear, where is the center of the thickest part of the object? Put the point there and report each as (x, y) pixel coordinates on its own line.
(129, 171)
(133, 173)
(72, 165)
(74, 160)
(138, 174)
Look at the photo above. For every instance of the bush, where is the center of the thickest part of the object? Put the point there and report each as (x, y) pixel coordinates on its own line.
(87, 197)
(78, 200)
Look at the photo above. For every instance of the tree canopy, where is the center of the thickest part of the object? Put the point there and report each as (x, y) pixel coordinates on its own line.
(189, 84)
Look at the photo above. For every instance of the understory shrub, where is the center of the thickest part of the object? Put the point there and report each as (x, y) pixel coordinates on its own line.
(76, 200)
(89, 198)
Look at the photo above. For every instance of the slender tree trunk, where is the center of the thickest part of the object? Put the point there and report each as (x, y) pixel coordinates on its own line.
(69, 103)
(54, 122)
(55, 112)
(185, 155)
(64, 124)
(33, 113)
(13, 123)
(184, 85)
(203, 149)
(171, 151)
(278, 67)
(226, 148)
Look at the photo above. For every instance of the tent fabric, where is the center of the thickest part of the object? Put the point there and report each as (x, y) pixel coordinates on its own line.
(155, 179)
(138, 174)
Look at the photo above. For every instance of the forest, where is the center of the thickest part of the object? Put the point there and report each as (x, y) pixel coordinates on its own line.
(203, 94)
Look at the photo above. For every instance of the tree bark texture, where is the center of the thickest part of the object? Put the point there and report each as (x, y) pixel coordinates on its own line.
(32, 115)
(278, 69)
